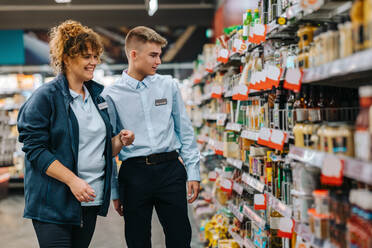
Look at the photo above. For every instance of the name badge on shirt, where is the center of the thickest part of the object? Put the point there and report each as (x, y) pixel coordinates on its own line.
(102, 105)
(159, 102)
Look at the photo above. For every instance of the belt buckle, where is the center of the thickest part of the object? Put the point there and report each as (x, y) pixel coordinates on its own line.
(148, 162)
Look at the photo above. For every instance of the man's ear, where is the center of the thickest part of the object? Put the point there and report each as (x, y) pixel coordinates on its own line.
(133, 54)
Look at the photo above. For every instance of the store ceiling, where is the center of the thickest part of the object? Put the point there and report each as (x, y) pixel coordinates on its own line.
(43, 14)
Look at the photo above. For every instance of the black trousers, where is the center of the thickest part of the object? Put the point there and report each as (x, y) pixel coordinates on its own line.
(52, 235)
(163, 186)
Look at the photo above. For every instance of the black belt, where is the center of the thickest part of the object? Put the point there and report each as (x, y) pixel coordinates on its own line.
(154, 159)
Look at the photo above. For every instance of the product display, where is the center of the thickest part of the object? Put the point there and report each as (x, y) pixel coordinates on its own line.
(284, 131)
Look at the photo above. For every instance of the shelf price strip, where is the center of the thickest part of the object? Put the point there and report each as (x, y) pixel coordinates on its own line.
(236, 237)
(236, 212)
(233, 127)
(252, 182)
(238, 188)
(235, 162)
(279, 206)
(247, 211)
(353, 168)
(251, 135)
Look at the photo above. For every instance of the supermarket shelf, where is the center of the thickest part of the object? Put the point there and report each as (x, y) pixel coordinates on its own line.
(236, 237)
(353, 168)
(233, 126)
(248, 134)
(255, 218)
(279, 206)
(235, 210)
(356, 68)
(253, 183)
(248, 243)
(235, 162)
(9, 93)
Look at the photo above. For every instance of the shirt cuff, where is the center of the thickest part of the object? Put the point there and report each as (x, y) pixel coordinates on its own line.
(193, 173)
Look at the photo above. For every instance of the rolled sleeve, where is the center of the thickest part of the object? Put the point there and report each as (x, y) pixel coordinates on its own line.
(33, 127)
(189, 151)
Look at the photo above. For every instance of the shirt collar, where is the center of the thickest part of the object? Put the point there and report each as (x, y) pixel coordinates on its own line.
(133, 83)
(76, 95)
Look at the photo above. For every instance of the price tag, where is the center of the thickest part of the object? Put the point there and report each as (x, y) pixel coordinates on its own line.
(259, 202)
(240, 92)
(264, 136)
(221, 118)
(286, 227)
(313, 4)
(233, 127)
(238, 164)
(277, 139)
(226, 185)
(237, 44)
(212, 175)
(273, 74)
(216, 91)
(223, 56)
(219, 148)
(259, 33)
(238, 188)
(332, 170)
(293, 79)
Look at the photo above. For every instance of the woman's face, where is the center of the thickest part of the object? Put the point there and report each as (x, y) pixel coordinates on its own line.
(82, 66)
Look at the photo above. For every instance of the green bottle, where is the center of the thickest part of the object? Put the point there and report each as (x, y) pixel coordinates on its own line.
(256, 17)
(246, 24)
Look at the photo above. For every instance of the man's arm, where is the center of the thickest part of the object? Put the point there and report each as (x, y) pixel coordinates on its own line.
(189, 151)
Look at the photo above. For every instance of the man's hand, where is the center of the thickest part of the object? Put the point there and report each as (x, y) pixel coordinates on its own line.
(126, 137)
(193, 188)
(81, 190)
(118, 207)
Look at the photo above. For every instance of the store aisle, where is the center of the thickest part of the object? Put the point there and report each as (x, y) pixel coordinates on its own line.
(16, 232)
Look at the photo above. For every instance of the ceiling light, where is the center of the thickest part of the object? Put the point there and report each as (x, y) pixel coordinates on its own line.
(63, 1)
(152, 7)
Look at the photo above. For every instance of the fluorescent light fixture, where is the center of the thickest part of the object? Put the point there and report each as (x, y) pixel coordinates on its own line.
(153, 7)
(63, 1)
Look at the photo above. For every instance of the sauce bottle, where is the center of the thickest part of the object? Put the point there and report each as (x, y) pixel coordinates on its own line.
(362, 135)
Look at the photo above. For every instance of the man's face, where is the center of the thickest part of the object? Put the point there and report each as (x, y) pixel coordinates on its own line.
(147, 58)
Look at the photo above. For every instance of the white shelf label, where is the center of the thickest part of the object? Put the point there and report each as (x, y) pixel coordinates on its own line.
(233, 127)
(254, 217)
(238, 188)
(252, 182)
(279, 206)
(221, 118)
(251, 135)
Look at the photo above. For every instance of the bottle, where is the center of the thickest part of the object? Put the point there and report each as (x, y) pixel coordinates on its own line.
(299, 108)
(314, 110)
(356, 14)
(289, 109)
(362, 135)
(278, 109)
(256, 17)
(321, 104)
(246, 24)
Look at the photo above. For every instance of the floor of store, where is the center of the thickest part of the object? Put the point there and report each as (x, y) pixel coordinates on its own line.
(16, 232)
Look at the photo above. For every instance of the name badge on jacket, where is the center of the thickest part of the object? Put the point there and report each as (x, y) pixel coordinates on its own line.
(102, 105)
(162, 101)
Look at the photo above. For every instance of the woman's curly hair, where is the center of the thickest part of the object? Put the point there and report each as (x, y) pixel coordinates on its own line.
(71, 38)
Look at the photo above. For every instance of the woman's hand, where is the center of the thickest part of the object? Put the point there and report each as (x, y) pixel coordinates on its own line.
(81, 190)
(126, 137)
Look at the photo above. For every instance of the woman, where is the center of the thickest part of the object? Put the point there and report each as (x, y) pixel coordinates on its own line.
(68, 143)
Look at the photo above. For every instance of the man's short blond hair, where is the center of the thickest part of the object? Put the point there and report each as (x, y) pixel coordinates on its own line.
(142, 34)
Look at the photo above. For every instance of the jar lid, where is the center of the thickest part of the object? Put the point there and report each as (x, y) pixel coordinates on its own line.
(365, 91)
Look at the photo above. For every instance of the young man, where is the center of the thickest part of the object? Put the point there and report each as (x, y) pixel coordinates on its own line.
(151, 174)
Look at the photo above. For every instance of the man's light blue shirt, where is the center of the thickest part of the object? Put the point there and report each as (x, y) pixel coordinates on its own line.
(154, 110)
(92, 138)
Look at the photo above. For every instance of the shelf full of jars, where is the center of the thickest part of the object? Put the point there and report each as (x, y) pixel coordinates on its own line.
(283, 125)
